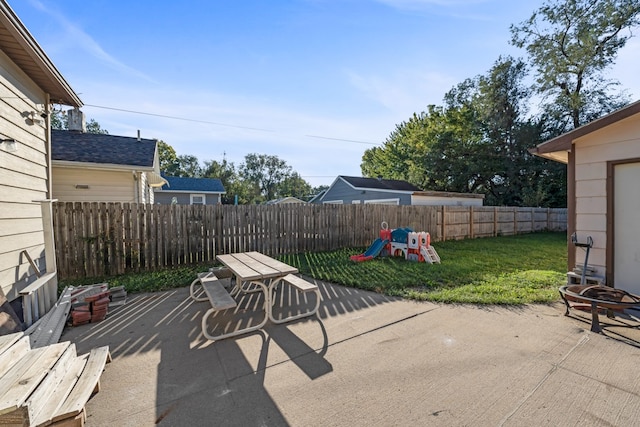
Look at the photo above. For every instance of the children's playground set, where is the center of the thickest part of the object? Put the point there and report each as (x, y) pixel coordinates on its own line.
(401, 242)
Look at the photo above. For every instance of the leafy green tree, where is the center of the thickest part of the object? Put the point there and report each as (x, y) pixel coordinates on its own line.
(226, 172)
(571, 43)
(402, 156)
(168, 158)
(265, 173)
(294, 186)
(188, 166)
(93, 126)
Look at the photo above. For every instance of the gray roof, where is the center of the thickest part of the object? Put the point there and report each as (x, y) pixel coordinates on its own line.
(199, 185)
(379, 184)
(74, 146)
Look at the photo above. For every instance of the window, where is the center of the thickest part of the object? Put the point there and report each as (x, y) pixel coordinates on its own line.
(332, 202)
(198, 199)
(383, 201)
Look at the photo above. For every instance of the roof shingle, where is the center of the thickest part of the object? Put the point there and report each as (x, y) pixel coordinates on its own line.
(76, 146)
(379, 184)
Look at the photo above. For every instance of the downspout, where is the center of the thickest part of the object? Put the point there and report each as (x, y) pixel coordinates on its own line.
(136, 187)
(46, 205)
(571, 208)
(47, 124)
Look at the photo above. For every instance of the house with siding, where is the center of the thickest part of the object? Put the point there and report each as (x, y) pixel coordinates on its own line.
(603, 195)
(29, 85)
(90, 167)
(190, 191)
(355, 190)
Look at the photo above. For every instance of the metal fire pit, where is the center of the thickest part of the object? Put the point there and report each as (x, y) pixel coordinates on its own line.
(598, 296)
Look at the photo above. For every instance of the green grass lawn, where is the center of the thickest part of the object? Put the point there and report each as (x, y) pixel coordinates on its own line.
(521, 269)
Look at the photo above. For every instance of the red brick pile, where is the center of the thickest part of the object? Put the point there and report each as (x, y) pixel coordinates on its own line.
(93, 309)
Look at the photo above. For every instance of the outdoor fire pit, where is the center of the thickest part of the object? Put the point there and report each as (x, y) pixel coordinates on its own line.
(598, 296)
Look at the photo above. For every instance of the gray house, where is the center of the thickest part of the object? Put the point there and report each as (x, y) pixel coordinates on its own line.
(190, 191)
(355, 190)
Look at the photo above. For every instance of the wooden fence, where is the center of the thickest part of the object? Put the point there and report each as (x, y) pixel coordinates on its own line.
(95, 239)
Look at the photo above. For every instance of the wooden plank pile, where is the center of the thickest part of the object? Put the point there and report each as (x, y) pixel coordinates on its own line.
(49, 385)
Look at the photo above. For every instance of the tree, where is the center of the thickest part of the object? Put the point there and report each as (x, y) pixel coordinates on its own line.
(188, 166)
(236, 189)
(167, 157)
(265, 173)
(294, 186)
(571, 43)
(93, 126)
(476, 143)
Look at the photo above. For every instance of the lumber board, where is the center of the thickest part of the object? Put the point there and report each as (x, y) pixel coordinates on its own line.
(43, 394)
(85, 386)
(23, 378)
(60, 391)
(13, 354)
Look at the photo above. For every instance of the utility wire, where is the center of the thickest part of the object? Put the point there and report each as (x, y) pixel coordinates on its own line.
(179, 118)
(220, 124)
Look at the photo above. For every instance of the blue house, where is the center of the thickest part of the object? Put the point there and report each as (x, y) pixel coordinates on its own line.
(190, 191)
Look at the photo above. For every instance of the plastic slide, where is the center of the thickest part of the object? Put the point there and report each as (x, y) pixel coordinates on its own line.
(373, 251)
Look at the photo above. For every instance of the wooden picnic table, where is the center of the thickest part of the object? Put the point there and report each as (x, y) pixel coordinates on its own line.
(254, 272)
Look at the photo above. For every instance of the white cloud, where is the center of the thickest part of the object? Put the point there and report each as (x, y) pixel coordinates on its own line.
(406, 91)
(87, 43)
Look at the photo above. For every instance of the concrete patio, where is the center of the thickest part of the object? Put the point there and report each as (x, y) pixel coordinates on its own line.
(365, 360)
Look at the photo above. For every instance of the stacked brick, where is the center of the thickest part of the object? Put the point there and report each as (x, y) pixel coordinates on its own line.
(93, 309)
(91, 303)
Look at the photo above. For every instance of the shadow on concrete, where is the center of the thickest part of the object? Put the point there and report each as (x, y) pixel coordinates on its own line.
(624, 327)
(218, 382)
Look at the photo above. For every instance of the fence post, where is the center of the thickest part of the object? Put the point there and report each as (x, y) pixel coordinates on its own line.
(515, 220)
(471, 222)
(495, 221)
(444, 224)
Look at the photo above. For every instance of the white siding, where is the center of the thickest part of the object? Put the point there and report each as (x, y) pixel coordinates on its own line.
(23, 178)
(618, 141)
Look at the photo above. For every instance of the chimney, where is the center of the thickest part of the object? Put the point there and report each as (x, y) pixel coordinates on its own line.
(138, 135)
(75, 120)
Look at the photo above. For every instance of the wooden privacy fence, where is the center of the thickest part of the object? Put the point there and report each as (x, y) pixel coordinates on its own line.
(95, 239)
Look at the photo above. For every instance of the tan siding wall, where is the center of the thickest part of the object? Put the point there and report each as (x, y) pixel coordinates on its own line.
(616, 142)
(445, 201)
(104, 186)
(23, 179)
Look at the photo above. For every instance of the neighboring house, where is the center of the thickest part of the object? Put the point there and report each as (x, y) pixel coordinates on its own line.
(603, 194)
(190, 191)
(89, 167)
(29, 85)
(355, 190)
(284, 200)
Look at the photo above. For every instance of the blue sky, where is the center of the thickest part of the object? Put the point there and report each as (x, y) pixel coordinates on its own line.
(314, 82)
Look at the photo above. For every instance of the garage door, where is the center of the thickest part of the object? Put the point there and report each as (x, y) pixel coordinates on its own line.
(626, 264)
